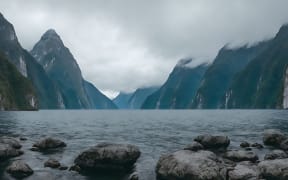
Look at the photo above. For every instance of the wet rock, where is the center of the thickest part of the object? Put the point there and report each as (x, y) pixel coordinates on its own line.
(185, 164)
(276, 154)
(240, 155)
(284, 145)
(213, 142)
(245, 144)
(274, 169)
(273, 137)
(134, 176)
(63, 167)
(23, 139)
(49, 143)
(52, 163)
(7, 151)
(244, 171)
(248, 149)
(105, 156)
(257, 145)
(34, 149)
(75, 168)
(19, 169)
(11, 141)
(195, 146)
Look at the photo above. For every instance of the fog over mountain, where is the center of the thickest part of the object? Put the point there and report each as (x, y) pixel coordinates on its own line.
(123, 45)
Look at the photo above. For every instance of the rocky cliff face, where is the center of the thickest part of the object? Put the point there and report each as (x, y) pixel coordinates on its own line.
(179, 89)
(63, 70)
(285, 94)
(46, 91)
(16, 91)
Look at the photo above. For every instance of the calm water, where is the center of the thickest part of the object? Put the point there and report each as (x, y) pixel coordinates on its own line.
(155, 132)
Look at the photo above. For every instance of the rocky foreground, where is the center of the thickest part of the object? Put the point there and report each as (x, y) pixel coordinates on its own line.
(208, 157)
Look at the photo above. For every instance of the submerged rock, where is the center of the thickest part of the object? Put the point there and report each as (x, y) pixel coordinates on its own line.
(111, 157)
(274, 169)
(19, 169)
(186, 165)
(213, 142)
(7, 151)
(49, 143)
(276, 154)
(11, 141)
(52, 163)
(195, 146)
(244, 171)
(240, 155)
(273, 137)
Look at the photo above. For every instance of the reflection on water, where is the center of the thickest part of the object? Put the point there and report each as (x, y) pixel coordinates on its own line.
(155, 132)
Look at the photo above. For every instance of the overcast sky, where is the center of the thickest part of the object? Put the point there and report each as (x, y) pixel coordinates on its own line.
(121, 45)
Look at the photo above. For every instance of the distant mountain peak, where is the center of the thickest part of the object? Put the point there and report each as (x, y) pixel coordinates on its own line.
(51, 34)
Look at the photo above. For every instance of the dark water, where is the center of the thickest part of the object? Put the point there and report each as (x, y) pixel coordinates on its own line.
(155, 132)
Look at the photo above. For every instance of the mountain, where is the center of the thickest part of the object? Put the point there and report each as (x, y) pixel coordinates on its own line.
(16, 91)
(122, 100)
(219, 75)
(139, 96)
(96, 98)
(62, 68)
(179, 89)
(263, 83)
(48, 95)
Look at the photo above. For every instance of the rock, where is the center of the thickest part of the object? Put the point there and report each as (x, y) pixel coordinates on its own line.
(245, 144)
(23, 139)
(105, 156)
(63, 167)
(134, 176)
(195, 146)
(284, 145)
(257, 145)
(49, 143)
(276, 154)
(274, 169)
(19, 169)
(244, 171)
(7, 151)
(52, 163)
(10, 141)
(248, 149)
(186, 165)
(273, 137)
(75, 168)
(34, 149)
(240, 155)
(213, 142)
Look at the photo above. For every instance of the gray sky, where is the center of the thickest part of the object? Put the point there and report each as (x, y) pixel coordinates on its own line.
(121, 45)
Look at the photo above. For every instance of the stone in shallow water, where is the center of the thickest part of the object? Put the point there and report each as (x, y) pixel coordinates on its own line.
(244, 171)
(213, 142)
(186, 165)
(195, 146)
(276, 154)
(240, 155)
(19, 169)
(49, 143)
(52, 163)
(245, 144)
(274, 169)
(7, 151)
(273, 137)
(111, 157)
(11, 141)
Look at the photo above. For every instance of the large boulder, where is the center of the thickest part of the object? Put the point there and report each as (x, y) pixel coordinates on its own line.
(187, 165)
(273, 137)
(274, 169)
(213, 142)
(11, 141)
(106, 156)
(240, 155)
(19, 169)
(7, 151)
(244, 171)
(276, 154)
(49, 143)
